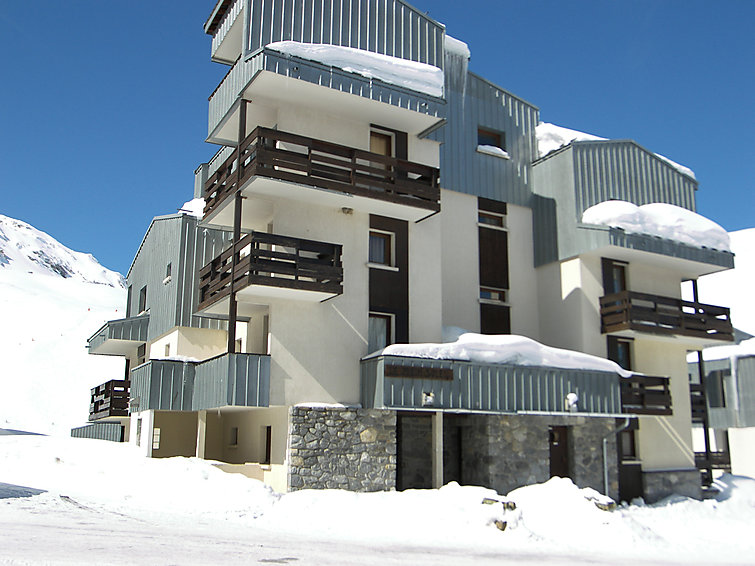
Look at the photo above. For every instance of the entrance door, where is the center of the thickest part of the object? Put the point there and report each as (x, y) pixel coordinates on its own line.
(559, 451)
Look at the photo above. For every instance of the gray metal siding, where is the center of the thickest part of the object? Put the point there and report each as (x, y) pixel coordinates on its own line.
(493, 387)
(233, 380)
(473, 102)
(177, 240)
(390, 27)
(162, 385)
(623, 170)
(745, 376)
(100, 431)
(133, 328)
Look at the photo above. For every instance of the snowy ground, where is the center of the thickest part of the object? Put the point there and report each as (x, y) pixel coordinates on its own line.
(106, 504)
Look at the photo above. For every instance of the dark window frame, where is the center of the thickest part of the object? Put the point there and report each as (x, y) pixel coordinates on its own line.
(486, 135)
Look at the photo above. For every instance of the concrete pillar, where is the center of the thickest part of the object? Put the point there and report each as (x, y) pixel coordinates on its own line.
(201, 432)
(437, 452)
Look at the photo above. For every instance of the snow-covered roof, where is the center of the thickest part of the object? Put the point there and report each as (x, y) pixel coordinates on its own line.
(504, 349)
(457, 47)
(659, 219)
(551, 137)
(412, 75)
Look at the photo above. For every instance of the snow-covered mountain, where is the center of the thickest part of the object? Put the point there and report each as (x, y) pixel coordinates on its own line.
(51, 300)
(24, 248)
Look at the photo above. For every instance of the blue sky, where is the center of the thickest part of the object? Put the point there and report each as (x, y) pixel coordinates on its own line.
(104, 104)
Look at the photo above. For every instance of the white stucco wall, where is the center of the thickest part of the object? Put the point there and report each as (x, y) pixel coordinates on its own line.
(523, 293)
(460, 262)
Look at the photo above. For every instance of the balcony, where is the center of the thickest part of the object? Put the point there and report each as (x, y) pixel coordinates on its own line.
(646, 395)
(398, 382)
(284, 165)
(109, 400)
(272, 266)
(713, 461)
(119, 337)
(646, 313)
(698, 404)
(240, 380)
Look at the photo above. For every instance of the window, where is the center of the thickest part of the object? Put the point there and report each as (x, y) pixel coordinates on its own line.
(628, 445)
(715, 388)
(128, 301)
(380, 248)
(379, 331)
(491, 138)
(233, 439)
(491, 219)
(167, 350)
(614, 276)
(620, 351)
(268, 444)
(381, 143)
(168, 270)
(141, 354)
(156, 439)
(143, 300)
(491, 294)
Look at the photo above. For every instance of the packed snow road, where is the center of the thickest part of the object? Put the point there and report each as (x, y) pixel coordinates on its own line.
(104, 503)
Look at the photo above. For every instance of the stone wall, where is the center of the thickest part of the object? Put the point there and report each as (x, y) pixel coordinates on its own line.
(352, 449)
(680, 482)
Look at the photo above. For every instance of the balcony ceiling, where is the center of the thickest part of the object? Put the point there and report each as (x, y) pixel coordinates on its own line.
(269, 91)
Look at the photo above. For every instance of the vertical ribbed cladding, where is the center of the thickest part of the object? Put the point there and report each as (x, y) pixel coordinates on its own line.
(623, 170)
(390, 27)
(225, 25)
(744, 389)
(471, 103)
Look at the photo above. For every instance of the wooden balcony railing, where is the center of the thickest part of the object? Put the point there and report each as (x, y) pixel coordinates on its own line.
(299, 159)
(629, 310)
(697, 402)
(646, 395)
(716, 461)
(275, 261)
(109, 400)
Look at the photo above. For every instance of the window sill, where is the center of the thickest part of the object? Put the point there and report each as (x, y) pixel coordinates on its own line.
(494, 151)
(492, 302)
(382, 266)
(493, 227)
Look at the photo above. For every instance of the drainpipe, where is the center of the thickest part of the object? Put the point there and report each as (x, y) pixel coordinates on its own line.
(623, 427)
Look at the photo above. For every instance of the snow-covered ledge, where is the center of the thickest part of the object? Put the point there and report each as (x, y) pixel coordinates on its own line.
(493, 150)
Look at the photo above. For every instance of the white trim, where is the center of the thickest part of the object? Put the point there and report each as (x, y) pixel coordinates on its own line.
(381, 266)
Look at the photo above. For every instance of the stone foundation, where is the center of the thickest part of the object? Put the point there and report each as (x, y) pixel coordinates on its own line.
(505, 452)
(674, 482)
(352, 449)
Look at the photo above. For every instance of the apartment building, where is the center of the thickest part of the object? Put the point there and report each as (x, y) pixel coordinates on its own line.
(369, 190)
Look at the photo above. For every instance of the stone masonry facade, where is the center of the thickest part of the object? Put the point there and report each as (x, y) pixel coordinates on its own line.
(510, 451)
(661, 484)
(342, 448)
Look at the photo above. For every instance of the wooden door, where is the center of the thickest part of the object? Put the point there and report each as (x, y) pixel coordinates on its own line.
(559, 451)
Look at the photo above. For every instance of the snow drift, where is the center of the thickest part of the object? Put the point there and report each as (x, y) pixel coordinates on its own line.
(659, 219)
(504, 349)
(392, 70)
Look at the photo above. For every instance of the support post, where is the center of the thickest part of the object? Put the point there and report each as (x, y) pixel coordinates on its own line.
(437, 452)
(232, 305)
(201, 433)
(701, 374)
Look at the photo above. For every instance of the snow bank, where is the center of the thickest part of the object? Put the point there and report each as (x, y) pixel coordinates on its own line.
(551, 137)
(659, 219)
(504, 349)
(392, 70)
